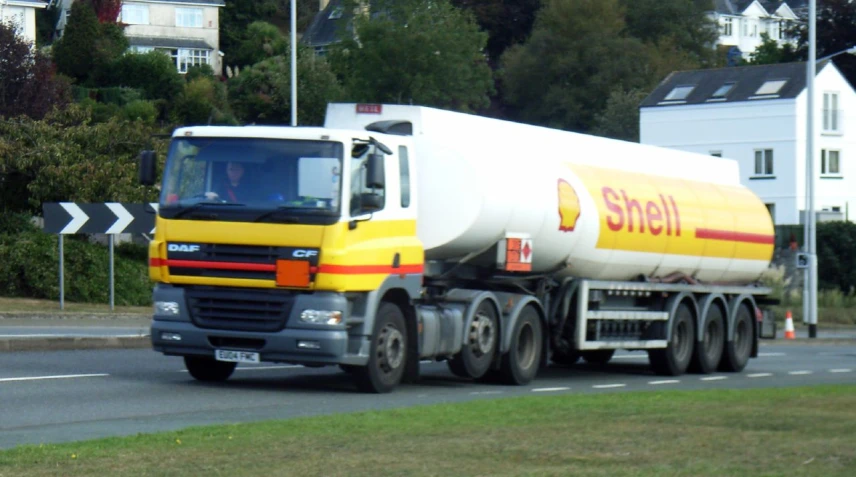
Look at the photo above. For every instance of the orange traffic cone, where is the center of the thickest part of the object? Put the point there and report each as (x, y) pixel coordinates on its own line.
(789, 326)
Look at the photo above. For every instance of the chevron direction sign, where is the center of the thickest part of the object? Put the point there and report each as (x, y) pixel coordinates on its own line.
(106, 218)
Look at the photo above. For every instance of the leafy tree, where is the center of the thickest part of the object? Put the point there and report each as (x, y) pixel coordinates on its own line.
(836, 249)
(202, 101)
(262, 40)
(686, 24)
(107, 11)
(236, 17)
(577, 56)
(411, 51)
(153, 72)
(620, 118)
(836, 31)
(64, 157)
(73, 52)
(770, 52)
(507, 22)
(28, 84)
(262, 93)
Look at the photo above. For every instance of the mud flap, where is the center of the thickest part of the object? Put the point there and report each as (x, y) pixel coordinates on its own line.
(768, 325)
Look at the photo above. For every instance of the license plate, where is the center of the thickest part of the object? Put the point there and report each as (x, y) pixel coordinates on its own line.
(236, 356)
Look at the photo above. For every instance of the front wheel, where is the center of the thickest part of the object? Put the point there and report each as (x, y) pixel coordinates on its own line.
(520, 364)
(388, 352)
(208, 369)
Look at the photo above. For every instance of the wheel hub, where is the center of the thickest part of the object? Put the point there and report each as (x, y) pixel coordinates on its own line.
(482, 335)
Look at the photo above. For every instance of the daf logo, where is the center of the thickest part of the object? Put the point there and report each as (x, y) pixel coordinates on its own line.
(304, 253)
(176, 247)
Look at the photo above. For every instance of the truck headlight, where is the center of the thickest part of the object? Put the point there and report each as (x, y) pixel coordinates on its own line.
(321, 317)
(169, 308)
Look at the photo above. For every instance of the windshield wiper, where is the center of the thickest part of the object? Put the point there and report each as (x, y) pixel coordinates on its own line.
(188, 209)
(291, 219)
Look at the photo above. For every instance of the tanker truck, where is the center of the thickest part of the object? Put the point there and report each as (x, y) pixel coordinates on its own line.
(395, 235)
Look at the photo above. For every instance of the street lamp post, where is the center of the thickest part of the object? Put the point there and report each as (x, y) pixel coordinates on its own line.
(810, 277)
(294, 62)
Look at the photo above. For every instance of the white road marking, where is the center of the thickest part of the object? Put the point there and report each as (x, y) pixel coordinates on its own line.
(665, 381)
(799, 373)
(478, 393)
(771, 354)
(548, 390)
(759, 375)
(714, 378)
(608, 386)
(840, 370)
(40, 378)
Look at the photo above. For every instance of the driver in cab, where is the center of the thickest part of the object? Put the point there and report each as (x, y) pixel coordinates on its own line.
(233, 188)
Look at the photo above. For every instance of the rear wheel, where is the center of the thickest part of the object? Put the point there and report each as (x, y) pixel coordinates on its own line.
(482, 336)
(520, 364)
(388, 352)
(208, 369)
(600, 356)
(708, 351)
(737, 351)
(675, 358)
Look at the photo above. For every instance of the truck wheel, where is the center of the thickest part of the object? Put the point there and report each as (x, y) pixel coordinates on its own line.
(600, 356)
(388, 352)
(208, 369)
(675, 358)
(520, 364)
(737, 350)
(708, 351)
(477, 355)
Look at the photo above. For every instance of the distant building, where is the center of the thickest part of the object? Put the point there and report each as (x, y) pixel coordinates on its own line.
(757, 116)
(22, 14)
(187, 30)
(741, 22)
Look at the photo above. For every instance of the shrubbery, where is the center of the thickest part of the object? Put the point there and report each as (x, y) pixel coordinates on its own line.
(30, 269)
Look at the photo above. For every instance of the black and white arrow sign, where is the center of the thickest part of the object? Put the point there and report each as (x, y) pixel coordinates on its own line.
(106, 218)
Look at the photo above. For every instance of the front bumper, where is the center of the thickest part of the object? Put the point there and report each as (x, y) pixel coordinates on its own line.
(331, 344)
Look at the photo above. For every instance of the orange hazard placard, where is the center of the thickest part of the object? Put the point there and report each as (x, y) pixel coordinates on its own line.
(518, 255)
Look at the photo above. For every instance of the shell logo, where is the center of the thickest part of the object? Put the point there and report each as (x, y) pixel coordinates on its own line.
(569, 206)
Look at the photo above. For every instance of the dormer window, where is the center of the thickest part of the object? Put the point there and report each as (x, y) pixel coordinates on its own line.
(770, 87)
(679, 93)
(723, 90)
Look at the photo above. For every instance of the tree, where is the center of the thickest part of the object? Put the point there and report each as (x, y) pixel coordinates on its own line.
(235, 18)
(770, 52)
(507, 22)
(202, 101)
(88, 47)
(836, 31)
(28, 83)
(153, 72)
(107, 11)
(620, 118)
(837, 255)
(262, 93)
(413, 51)
(262, 40)
(686, 24)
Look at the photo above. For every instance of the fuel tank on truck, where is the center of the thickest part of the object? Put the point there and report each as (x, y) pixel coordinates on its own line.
(597, 208)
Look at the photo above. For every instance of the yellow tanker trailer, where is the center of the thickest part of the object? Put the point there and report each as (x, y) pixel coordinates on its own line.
(396, 234)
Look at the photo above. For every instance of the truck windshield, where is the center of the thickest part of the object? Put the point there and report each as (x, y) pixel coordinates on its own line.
(252, 179)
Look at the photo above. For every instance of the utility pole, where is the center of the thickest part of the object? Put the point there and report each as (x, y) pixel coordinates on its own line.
(810, 288)
(294, 62)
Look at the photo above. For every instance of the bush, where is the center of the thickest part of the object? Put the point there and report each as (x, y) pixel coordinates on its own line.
(203, 101)
(31, 269)
(153, 72)
(141, 110)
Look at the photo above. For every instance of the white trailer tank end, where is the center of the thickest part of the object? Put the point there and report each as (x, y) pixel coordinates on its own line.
(602, 208)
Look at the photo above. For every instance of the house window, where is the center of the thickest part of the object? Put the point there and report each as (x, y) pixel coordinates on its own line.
(716, 153)
(188, 17)
(184, 58)
(830, 162)
(830, 112)
(723, 90)
(770, 87)
(680, 93)
(727, 25)
(141, 49)
(135, 14)
(763, 162)
(783, 26)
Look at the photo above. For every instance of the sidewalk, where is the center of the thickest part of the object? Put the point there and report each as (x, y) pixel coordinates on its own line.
(22, 331)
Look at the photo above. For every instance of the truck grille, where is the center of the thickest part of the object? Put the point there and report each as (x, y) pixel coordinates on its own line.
(247, 256)
(239, 310)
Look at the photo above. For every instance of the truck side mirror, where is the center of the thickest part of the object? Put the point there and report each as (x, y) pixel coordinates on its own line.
(147, 167)
(375, 172)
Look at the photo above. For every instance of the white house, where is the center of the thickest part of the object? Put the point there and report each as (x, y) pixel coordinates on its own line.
(757, 116)
(741, 22)
(22, 14)
(187, 30)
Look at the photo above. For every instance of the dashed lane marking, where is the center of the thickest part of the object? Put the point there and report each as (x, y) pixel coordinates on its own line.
(549, 390)
(608, 386)
(41, 378)
(665, 381)
(799, 373)
(771, 354)
(759, 375)
(840, 370)
(714, 378)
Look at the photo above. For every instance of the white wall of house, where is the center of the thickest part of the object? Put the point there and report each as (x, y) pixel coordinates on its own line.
(736, 130)
(23, 17)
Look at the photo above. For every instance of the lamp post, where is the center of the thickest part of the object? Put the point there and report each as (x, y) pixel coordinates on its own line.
(810, 277)
(294, 62)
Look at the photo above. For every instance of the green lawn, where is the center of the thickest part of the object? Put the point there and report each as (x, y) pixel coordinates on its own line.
(28, 305)
(761, 432)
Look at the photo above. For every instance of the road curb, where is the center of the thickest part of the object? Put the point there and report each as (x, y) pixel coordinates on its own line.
(75, 343)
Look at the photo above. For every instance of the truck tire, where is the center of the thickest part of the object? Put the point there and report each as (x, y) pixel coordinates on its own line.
(387, 352)
(708, 351)
(476, 356)
(520, 364)
(675, 358)
(208, 369)
(600, 356)
(738, 349)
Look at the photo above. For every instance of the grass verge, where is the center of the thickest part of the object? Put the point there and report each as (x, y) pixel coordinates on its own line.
(758, 432)
(29, 305)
